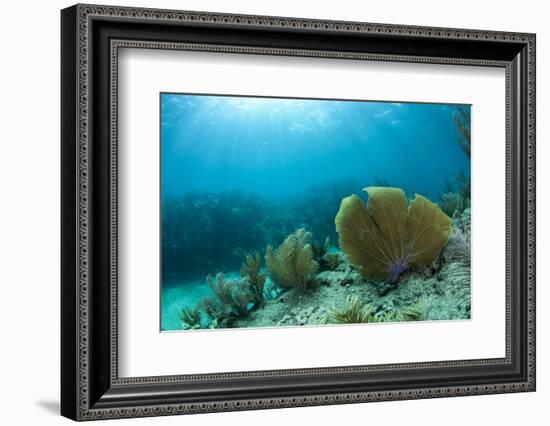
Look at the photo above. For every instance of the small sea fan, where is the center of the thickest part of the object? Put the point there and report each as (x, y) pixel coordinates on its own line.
(411, 313)
(221, 287)
(354, 311)
(292, 264)
(242, 298)
(234, 296)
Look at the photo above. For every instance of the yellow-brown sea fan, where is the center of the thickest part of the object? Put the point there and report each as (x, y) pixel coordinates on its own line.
(390, 236)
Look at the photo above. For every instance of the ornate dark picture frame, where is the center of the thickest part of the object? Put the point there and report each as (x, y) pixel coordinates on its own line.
(90, 385)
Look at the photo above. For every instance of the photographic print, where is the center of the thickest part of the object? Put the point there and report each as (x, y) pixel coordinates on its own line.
(283, 212)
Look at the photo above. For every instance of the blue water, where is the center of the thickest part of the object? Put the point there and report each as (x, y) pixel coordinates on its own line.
(244, 159)
(276, 147)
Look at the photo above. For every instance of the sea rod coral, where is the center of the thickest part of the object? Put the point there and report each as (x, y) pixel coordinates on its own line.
(250, 270)
(235, 295)
(462, 121)
(388, 236)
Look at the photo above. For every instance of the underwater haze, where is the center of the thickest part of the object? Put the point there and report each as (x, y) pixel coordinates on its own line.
(279, 147)
(247, 182)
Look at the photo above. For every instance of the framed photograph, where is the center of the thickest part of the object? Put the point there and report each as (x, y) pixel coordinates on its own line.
(263, 212)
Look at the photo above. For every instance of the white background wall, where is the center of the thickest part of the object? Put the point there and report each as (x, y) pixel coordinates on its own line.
(29, 211)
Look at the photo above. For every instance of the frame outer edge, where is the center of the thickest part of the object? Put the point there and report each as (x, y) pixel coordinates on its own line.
(69, 287)
(83, 13)
(531, 200)
(84, 194)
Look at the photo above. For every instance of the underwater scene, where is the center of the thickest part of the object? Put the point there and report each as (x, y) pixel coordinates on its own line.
(312, 212)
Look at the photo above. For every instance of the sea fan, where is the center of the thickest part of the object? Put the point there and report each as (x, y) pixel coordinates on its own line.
(234, 296)
(292, 264)
(256, 280)
(353, 312)
(388, 236)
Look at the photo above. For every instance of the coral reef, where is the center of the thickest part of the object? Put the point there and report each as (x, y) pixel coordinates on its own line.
(387, 241)
(273, 227)
(212, 231)
(342, 295)
(205, 231)
(388, 236)
(292, 265)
